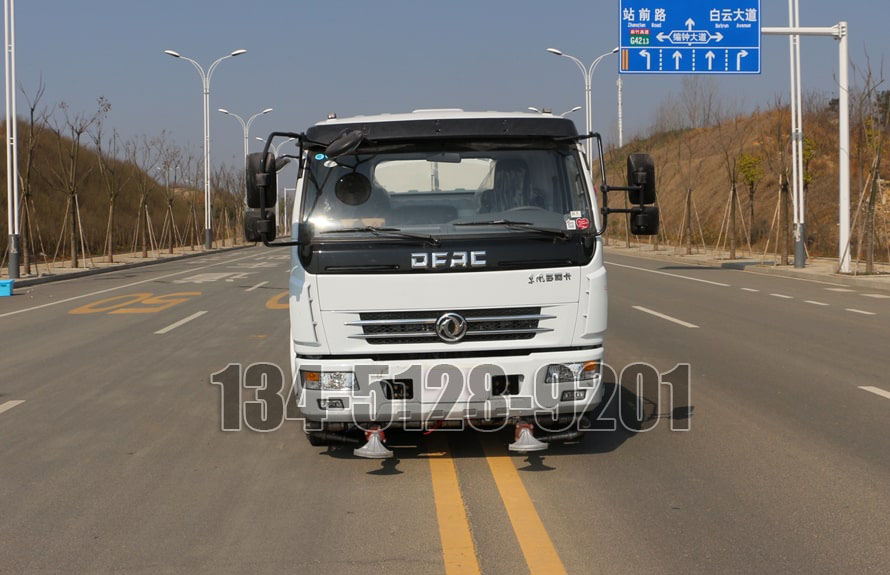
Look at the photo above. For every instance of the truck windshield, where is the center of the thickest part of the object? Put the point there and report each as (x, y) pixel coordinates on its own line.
(463, 189)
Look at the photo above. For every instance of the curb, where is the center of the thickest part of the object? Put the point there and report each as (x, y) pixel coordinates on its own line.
(26, 282)
(881, 282)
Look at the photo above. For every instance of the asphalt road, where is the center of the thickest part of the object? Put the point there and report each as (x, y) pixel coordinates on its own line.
(112, 458)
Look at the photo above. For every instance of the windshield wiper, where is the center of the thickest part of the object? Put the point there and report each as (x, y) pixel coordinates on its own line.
(387, 232)
(515, 225)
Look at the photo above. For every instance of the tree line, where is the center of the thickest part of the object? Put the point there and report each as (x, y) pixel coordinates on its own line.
(724, 177)
(88, 194)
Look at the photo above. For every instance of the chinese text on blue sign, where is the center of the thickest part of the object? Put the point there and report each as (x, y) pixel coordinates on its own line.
(690, 36)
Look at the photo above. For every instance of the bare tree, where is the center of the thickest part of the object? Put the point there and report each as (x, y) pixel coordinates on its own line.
(872, 106)
(775, 145)
(701, 101)
(193, 171)
(70, 131)
(732, 135)
(225, 182)
(144, 153)
(37, 123)
(170, 159)
(689, 159)
(115, 175)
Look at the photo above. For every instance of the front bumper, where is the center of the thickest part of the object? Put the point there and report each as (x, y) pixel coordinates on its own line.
(421, 392)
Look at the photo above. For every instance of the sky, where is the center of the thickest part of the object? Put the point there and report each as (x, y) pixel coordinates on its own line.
(307, 59)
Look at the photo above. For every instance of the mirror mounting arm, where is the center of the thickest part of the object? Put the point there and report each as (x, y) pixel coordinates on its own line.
(262, 180)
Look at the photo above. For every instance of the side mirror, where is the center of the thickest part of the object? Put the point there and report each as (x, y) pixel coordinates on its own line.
(641, 173)
(261, 174)
(644, 221)
(345, 143)
(257, 228)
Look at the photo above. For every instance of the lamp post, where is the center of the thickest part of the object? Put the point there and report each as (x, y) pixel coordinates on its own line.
(12, 158)
(245, 126)
(588, 76)
(205, 82)
(567, 112)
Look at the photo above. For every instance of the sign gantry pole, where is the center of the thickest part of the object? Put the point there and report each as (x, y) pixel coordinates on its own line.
(839, 32)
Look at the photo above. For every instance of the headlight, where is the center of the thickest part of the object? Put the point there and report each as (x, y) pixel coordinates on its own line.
(583, 371)
(328, 380)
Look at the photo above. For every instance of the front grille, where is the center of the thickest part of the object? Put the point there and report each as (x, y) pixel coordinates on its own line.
(498, 324)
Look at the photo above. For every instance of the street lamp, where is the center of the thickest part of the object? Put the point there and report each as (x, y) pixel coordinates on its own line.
(567, 112)
(245, 126)
(276, 147)
(588, 76)
(205, 82)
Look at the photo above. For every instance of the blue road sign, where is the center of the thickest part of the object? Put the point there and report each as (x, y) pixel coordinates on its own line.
(690, 36)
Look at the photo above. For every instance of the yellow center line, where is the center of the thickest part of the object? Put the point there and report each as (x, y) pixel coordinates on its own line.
(538, 549)
(458, 550)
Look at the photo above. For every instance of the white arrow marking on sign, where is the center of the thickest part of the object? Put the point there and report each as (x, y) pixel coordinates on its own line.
(662, 36)
(645, 54)
(718, 36)
(710, 56)
(690, 23)
(738, 59)
(677, 56)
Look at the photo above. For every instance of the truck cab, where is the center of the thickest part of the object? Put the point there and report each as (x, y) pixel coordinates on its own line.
(447, 271)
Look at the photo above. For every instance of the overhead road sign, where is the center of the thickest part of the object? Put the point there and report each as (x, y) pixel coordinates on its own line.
(689, 36)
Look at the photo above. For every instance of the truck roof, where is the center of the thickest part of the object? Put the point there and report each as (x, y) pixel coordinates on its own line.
(446, 123)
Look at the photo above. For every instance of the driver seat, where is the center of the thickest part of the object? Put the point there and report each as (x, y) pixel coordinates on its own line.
(511, 187)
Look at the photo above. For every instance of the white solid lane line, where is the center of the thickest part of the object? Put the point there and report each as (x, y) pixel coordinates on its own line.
(10, 404)
(815, 302)
(663, 316)
(860, 311)
(185, 320)
(66, 300)
(667, 274)
(783, 296)
(751, 290)
(259, 285)
(876, 390)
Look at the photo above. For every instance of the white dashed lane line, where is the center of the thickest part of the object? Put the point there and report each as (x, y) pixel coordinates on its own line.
(663, 316)
(783, 296)
(668, 274)
(844, 290)
(877, 295)
(876, 390)
(751, 290)
(861, 312)
(259, 285)
(815, 302)
(183, 321)
(6, 406)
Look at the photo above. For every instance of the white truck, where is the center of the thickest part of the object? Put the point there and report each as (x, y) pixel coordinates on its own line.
(447, 271)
